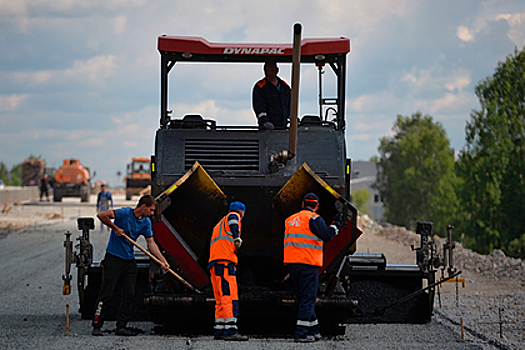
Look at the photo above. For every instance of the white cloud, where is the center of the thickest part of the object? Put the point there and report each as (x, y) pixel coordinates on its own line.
(454, 98)
(516, 32)
(95, 69)
(40, 7)
(224, 116)
(437, 78)
(458, 83)
(384, 100)
(363, 137)
(120, 24)
(12, 102)
(452, 102)
(464, 34)
(362, 126)
(361, 103)
(423, 78)
(9, 7)
(444, 102)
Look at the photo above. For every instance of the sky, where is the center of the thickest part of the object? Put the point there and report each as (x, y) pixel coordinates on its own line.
(80, 79)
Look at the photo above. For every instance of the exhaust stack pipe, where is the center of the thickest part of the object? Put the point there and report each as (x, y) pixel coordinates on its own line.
(296, 73)
(285, 155)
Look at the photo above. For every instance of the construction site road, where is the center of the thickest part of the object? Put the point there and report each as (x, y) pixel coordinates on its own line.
(33, 309)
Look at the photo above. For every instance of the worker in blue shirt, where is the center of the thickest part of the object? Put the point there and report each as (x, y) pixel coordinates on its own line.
(271, 99)
(104, 202)
(119, 265)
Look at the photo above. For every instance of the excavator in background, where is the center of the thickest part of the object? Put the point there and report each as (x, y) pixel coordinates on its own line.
(138, 177)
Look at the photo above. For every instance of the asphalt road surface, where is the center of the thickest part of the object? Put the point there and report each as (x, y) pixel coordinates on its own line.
(33, 309)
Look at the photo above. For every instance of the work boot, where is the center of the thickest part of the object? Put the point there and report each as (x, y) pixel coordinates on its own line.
(236, 337)
(317, 336)
(96, 332)
(307, 339)
(125, 332)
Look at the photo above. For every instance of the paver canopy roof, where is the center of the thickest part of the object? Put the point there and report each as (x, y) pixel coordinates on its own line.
(200, 46)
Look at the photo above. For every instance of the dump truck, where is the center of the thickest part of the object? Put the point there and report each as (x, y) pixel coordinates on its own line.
(138, 177)
(32, 172)
(199, 166)
(72, 179)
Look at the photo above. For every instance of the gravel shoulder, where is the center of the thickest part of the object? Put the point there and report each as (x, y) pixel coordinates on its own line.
(492, 300)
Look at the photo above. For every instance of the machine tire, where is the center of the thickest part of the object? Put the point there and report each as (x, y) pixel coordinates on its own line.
(84, 194)
(57, 197)
(128, 196)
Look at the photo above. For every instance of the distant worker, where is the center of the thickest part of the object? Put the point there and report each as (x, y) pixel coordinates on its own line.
(225, 241)
(119, 265)
(43, 188)
(304, 235)
(271, 99)
(104, 202)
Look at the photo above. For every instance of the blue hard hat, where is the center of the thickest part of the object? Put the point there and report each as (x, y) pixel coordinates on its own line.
(237, 206)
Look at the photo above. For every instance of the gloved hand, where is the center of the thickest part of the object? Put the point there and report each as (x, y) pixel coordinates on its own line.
(338, 218)
(237, 242)
(338, 225)
(268, 126)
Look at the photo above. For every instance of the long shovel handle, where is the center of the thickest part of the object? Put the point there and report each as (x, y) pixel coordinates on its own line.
(154, 258)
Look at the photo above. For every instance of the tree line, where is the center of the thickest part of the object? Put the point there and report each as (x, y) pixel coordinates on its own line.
(13, 176)
(481, 190)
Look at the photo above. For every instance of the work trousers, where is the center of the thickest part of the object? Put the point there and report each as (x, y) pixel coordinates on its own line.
(224, 283)
(116, 270)
(305, 280)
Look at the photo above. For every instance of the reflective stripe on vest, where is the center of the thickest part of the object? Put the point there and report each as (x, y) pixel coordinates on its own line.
(300, 244)
(221, 244)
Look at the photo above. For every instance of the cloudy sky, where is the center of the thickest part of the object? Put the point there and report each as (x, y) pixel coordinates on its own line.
(81, 78)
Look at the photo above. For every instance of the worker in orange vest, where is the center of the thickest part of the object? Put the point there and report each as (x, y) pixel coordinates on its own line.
(304, 235)
(225, 241)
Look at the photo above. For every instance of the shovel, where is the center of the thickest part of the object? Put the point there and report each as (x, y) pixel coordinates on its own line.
(160, 263)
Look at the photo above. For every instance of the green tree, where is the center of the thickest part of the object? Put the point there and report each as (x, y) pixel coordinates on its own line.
(492, 165)
(360, 198)
(3, 172)
(415, 173)
(16, 175)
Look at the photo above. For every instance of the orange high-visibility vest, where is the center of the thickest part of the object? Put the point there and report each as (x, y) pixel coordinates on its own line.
(221, 244)
(300, 244)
